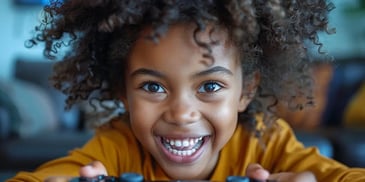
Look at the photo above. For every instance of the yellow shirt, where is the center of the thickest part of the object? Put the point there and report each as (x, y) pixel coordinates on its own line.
(117, 148)
(355, 112)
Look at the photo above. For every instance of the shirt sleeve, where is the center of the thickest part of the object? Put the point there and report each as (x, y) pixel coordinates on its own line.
(65, 166)
(284, 153)
(111, 147)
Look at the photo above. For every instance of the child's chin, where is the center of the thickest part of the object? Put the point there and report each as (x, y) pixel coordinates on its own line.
(184, 173)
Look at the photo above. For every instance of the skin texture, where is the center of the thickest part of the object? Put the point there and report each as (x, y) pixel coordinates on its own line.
(173, 92)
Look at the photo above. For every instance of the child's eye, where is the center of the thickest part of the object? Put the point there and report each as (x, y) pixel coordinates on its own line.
(153, 87)
(210, 86)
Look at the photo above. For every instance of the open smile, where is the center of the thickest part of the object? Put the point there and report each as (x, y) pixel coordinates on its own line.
(185, 147)
(183, 150)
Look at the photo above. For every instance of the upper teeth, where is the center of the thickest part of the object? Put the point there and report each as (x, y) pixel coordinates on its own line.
(184, 142)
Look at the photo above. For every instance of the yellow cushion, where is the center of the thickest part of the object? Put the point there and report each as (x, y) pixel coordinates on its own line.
(354, 115)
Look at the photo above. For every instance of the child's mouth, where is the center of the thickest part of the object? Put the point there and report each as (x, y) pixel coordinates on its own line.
(183, 150)
(185, 147)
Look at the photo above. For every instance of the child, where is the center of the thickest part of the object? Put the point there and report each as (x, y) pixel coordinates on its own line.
(199, 81)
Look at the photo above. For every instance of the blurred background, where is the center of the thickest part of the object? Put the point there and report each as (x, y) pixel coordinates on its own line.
(18, 17)
(34, 127)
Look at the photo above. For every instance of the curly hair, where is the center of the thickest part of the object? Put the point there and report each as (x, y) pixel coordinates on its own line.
(271, 36)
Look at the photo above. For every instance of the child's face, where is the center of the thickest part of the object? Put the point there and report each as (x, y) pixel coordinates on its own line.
(183, 107)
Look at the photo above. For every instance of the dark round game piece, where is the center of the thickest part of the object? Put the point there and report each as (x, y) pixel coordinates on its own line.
(131, 177)
(237, 179)
(111, 179)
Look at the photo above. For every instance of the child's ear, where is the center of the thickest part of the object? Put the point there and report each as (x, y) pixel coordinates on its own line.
(248, 91)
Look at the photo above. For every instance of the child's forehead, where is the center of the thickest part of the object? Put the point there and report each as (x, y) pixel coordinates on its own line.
(182, 41)
(211, 34)
(213, 41)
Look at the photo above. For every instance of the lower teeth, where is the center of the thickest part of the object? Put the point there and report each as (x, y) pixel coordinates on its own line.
(182, 152)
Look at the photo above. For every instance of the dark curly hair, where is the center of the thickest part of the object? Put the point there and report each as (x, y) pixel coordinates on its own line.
(270, 34)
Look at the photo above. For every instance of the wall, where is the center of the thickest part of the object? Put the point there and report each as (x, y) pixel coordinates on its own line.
(349, 39)
(17, 24)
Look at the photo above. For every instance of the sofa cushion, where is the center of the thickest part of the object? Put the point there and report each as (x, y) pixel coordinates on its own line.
(32, 110)
(9, 115)
(24, 69)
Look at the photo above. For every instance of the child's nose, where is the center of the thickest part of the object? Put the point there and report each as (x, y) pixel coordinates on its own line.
(182, 111)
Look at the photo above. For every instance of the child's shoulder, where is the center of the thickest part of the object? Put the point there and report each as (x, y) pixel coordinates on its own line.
(264, 135)
(117, 127)
(278, 125)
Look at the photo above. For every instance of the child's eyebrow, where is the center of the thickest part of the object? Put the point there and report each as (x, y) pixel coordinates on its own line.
(216, 69)
(144, 71)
